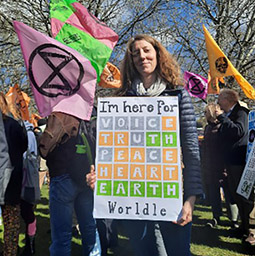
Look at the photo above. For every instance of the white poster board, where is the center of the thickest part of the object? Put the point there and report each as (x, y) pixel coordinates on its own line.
(251, 132)
(248, 177)
(138, 159)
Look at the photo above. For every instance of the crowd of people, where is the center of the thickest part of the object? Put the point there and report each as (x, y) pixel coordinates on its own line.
(223, 161)
(147, 69)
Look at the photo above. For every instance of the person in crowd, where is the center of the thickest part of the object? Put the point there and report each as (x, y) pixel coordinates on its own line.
(148, 69)
(56, 146)
(17, 145)
(214, 175)
(108, 234)
(234, 136)
(43, 168)
(27, 208)
(5, 163)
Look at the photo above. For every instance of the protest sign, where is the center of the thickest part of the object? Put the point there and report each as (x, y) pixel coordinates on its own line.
(251, 127)
(248, 177)
(138, 162)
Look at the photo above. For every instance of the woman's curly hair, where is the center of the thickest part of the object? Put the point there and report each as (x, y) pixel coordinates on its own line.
(167, 67)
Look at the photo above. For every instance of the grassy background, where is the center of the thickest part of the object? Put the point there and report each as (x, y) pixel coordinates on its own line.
(205, 241)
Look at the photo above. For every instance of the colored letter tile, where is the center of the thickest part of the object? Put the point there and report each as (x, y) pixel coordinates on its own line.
(152, 139)
(121, 139)
(121, 171)
(120, 188)
(170, 172)
(137, 172)
(169, 139)
(106, 123)
(153, 123)
(137, 189)
(105, 154)
(121, 123)
(169, 155)
(137, 139)
(105, 138)
(121, 155)
(137, 155)
(153, 172)
(153, 155)
(104, 187)
(104, 171)
(168, 123)
(137, 123)
(171, 190)
(154, 189)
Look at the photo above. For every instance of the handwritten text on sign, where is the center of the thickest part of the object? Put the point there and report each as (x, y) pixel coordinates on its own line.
(138, 159)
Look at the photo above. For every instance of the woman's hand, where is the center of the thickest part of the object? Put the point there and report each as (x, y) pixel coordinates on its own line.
(91, 177)
(187, 211)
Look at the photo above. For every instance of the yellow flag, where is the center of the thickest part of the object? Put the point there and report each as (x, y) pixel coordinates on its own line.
(220, 66)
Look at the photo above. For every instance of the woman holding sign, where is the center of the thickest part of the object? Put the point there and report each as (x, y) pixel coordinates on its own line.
(149, 70)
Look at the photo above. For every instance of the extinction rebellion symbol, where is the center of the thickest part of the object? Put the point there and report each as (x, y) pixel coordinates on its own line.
(221, 65)
(195, 86)
(57, 59)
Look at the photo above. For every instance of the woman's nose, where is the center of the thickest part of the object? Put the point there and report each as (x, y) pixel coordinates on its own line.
(142, 54)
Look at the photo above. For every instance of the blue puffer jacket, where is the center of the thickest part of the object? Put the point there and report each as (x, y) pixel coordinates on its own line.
(189, 142)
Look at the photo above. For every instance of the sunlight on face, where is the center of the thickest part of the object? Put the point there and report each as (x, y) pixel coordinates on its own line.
(144, 58)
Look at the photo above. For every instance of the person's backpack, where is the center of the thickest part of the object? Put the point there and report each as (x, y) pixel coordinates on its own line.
(83, 153)
(30, 190)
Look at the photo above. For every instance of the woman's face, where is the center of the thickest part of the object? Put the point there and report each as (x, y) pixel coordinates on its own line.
(144, 57)
(207, 114)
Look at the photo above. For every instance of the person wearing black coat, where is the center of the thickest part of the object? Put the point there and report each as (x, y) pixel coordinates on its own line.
(213, 169)
(234, 136)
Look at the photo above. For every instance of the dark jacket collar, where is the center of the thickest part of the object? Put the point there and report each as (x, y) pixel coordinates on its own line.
(236, 108)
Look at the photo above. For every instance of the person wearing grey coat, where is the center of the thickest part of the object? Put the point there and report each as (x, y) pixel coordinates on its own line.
(5, 164)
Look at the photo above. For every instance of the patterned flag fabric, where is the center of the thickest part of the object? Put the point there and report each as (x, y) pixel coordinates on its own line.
(213, 85)
(220, 66)
(61, 78)
(18, 102)
(74, 26)
(110, 77)
(34, 119)
(196, 85)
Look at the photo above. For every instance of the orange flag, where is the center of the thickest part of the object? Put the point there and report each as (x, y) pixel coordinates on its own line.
(18, 101)
(34, 119)
(213, 85)
(220, 66)
(110, 77)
